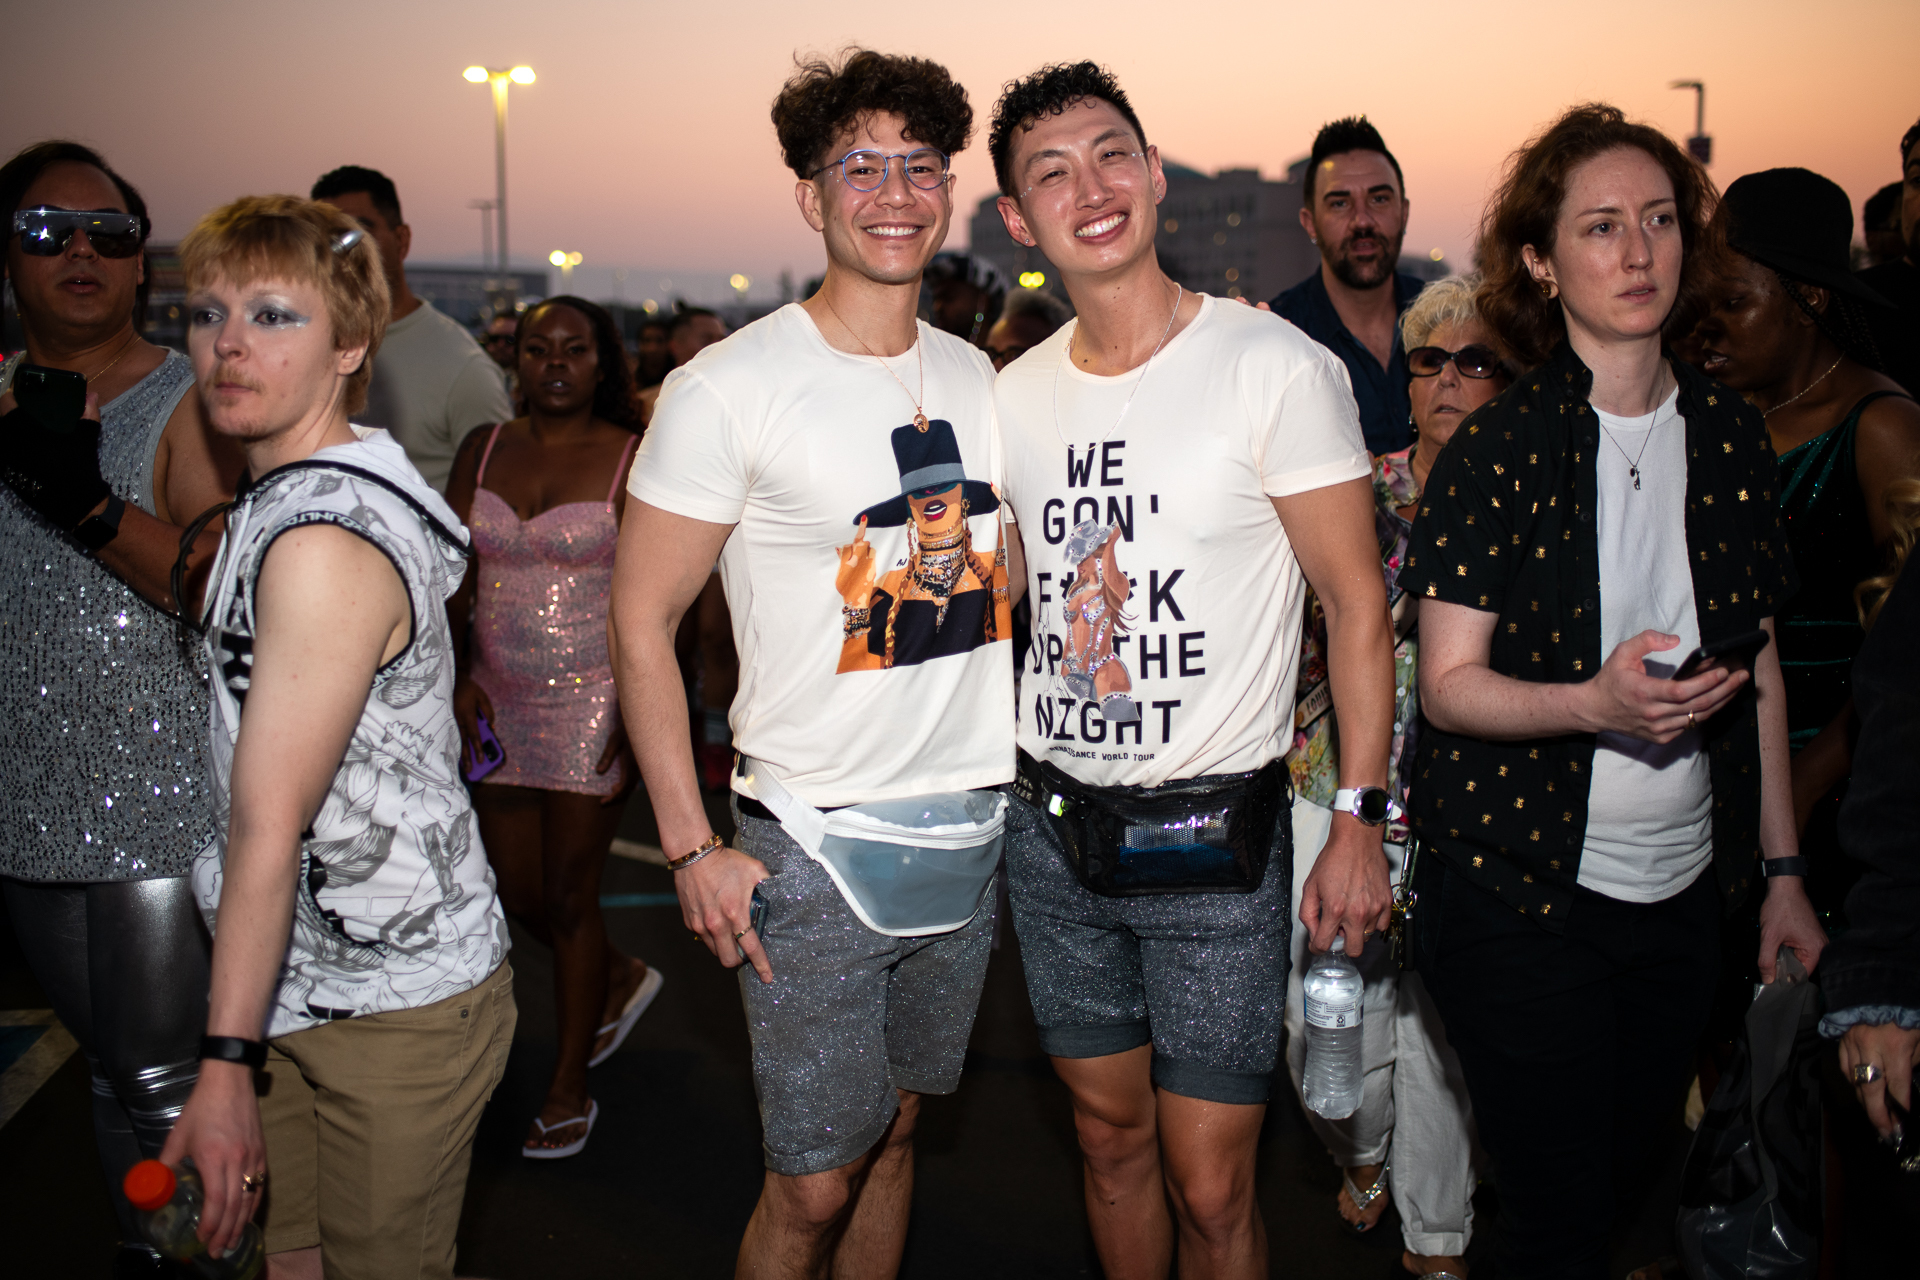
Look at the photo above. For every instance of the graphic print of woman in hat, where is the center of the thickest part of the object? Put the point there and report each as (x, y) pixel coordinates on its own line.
(942, 598)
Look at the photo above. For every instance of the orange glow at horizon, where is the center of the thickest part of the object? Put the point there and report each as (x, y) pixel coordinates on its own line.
(646, 142)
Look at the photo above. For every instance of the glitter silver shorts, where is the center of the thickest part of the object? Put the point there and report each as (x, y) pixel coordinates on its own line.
(851, 1015)
(1200, 976)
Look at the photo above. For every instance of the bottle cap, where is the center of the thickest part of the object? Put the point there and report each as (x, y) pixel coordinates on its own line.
(149, 1185)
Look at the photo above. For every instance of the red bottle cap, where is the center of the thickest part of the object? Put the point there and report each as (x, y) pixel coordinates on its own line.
(149, 1185)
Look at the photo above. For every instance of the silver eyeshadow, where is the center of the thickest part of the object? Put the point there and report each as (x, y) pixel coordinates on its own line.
(267, 310)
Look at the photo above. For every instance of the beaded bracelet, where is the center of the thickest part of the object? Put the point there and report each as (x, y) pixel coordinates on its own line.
(707, 846)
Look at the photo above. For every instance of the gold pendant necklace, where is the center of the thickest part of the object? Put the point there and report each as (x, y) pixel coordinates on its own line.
(919, 414)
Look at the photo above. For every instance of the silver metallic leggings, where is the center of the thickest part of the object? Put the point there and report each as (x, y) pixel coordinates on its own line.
(126, 966)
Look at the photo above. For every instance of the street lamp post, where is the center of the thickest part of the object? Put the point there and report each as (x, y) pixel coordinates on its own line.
(566, 262)
(500, 80)
(1699, 146)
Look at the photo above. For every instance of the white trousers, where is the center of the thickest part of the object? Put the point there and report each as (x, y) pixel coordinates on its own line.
(1414, 1101)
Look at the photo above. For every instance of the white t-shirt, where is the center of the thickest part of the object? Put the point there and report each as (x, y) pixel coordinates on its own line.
(1166, 597)
(431, 385)
(1650, 811)
(856, 682)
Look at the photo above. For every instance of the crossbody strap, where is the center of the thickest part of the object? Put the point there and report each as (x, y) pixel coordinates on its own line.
(806, 824)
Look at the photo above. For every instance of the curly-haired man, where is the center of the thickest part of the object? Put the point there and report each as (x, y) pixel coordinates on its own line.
(1199, 463)
(835, 457)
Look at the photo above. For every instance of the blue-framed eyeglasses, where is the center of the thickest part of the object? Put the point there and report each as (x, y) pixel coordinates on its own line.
(863, 170)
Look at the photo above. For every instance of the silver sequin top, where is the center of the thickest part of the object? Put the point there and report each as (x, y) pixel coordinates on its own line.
(104, 740)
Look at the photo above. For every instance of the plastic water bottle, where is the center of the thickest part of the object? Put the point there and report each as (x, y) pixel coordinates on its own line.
(169, 1202)
(1333, 1072)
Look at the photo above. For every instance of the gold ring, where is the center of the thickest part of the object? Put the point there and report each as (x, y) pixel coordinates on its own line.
(1689, 719)
(739, 935)
(253, 1182)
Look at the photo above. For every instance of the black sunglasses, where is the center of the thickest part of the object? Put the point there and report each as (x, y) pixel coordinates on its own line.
(1472, 360)
(46, 233)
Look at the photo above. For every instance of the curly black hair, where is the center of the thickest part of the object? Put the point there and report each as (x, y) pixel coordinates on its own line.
(1048, 92)
(823, 102)
(613, 398)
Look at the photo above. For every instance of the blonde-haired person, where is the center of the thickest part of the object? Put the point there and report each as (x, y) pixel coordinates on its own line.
(358, 956)
(1411, 1137)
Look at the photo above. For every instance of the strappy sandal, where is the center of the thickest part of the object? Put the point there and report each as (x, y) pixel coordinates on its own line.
(573, 1148)
(1363, 1200)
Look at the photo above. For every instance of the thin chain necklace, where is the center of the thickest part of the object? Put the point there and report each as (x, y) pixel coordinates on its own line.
(121, 354)
(1067, 354)
(919, 414)
(1633, 463)
(1768, 413)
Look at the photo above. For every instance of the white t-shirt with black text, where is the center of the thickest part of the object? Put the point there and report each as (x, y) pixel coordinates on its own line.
(1650, 808)
(865, 573)
(1166, 597)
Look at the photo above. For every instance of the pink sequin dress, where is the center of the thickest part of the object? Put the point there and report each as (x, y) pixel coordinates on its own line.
(540, 636)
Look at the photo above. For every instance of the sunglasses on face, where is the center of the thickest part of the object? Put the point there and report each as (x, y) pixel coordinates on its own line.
(1473, 361)
(46, 233)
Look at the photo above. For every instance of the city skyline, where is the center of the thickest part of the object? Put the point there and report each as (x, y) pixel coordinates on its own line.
(644, 144)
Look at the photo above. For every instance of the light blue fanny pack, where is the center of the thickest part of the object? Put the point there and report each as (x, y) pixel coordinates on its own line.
(908, 867)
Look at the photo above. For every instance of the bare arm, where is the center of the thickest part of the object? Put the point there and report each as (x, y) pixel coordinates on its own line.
(1331, 530)
(1016, 562)
(193, 470)
(1786, 916)
(1886, 451)
(469, 700)
(663, 562)
(1460, 693)
(331, 610)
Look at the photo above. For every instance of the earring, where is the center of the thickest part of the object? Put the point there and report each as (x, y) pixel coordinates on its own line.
(1546, 290)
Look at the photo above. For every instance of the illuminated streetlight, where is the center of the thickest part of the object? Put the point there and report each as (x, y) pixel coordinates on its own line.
(1033, 279)
(739, 283)
(1699, 146)
(566, 262)
(499, 79)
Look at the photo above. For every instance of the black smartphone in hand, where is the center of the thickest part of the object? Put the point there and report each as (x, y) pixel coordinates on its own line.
(57, 397)
(1736, 653)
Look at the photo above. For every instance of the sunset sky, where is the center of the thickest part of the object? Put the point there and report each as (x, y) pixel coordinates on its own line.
(645, 143)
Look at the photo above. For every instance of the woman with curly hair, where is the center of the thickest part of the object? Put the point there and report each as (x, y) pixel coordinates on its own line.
(544, 495)
(1588, 803)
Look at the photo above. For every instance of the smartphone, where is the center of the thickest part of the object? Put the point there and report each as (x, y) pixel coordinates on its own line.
(1736, 653)
(487, 756)
(58, 397)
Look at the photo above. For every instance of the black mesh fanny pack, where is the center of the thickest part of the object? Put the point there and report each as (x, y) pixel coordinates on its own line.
(1211, 834)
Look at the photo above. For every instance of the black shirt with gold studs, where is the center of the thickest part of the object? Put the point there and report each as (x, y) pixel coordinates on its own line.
(1507, 524)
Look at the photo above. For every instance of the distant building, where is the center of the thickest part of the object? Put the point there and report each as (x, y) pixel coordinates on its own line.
(1234, 234)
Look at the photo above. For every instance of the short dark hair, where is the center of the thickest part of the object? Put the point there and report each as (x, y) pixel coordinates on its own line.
(1352, 133)
(613, 398)
(1032, 304)
(21, 172)
(1906, 143)
(1525, 210)
(686, 316)
(350, 179)
(1049, 92)
(824, 100)
(1881, 212)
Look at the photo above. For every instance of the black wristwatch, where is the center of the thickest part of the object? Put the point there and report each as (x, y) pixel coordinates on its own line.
(1793, 866)
(96, 532)
(252, 1053)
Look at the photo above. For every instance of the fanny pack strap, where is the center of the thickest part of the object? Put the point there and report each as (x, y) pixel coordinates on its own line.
(806, 824)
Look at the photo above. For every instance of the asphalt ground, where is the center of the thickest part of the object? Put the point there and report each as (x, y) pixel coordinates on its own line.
(673, 1169)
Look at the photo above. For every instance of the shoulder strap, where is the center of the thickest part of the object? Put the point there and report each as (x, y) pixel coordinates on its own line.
(1860, 405)
(427, 517)
(493, 438)
(619, 472)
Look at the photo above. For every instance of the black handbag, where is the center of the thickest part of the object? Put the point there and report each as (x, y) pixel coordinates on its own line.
(1211, 834)
(1752, 1194)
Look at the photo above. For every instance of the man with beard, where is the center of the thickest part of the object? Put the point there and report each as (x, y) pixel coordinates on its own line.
(1355, 209)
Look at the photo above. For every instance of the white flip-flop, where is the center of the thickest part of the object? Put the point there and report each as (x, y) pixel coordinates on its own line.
(636, 1005)
(572, 1148)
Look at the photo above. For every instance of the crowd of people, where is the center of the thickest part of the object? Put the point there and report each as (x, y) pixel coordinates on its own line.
(1532, 636)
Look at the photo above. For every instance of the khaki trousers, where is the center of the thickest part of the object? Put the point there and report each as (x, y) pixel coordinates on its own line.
(369, 1128)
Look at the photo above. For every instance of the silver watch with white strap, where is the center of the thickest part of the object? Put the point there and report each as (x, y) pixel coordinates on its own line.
(1372, 805)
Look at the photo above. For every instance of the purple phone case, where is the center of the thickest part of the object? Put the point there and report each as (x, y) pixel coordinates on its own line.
(490, 755)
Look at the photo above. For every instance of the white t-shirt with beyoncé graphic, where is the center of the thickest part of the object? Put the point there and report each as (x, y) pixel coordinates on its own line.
(1166, 597)
(865, 573)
